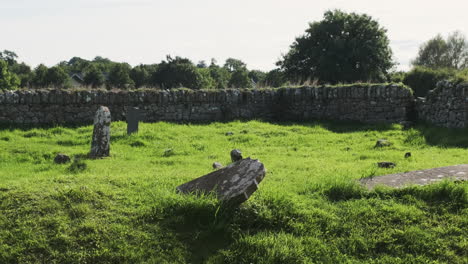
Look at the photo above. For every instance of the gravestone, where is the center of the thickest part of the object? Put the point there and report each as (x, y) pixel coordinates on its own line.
(233, 184)
(134, 115)
(100, 145)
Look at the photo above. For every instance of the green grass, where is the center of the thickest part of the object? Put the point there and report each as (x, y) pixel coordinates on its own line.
(309, 208)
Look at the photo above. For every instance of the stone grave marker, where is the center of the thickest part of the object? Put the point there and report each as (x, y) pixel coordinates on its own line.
(100, 145)
(234, 183)
(419, 177)
(134, 115)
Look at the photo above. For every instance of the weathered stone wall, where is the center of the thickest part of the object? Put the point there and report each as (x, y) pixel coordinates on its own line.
(365, 103)
(445, 106)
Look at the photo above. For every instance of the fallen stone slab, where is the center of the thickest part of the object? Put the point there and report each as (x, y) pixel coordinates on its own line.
(234, 183)
(419, 177)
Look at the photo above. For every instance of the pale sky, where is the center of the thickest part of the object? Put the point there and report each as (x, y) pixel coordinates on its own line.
(256, 31)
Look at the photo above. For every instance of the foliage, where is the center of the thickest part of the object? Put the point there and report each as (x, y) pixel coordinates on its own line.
(343, 47)
(440, 53)
(422, 80)
(308, 209)
(119, 76)
(220, 75)
(93, 76)
(140, 75)
(240, 79)
(8, 80)
(8, 56)
(275, 78)
(177, 72)
(258, 77)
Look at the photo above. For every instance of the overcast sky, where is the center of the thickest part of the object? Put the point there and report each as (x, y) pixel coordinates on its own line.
(255, 31)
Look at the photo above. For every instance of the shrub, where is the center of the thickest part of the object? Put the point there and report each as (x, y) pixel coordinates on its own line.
(422, 80)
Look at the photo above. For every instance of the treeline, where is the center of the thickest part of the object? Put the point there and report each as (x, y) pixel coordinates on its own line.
(102, 72)
(341, 48)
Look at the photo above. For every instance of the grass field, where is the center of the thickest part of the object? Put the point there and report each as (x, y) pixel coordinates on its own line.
(309, 208)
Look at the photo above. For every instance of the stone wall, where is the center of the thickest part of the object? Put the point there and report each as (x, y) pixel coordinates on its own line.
(365, 103)
(445, 106)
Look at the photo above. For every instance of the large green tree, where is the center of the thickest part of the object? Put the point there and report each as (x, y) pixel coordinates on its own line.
(343, 47)
(119, 76)
(178, 72)
(444, 53)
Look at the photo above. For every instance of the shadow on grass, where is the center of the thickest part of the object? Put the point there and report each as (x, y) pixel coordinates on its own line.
(443, 137)
(206, 226)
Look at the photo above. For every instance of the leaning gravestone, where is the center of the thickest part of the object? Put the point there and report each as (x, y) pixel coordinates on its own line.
(134, 115)
(236, 155)
(233, 184)
(100, 145)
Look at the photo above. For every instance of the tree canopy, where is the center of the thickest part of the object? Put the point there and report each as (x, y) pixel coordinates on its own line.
(343, 47)
(444, 53)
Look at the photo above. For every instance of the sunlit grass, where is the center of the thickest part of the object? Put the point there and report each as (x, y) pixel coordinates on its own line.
(309, 208)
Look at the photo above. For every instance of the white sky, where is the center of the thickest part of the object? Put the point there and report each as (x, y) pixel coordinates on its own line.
(255, 31)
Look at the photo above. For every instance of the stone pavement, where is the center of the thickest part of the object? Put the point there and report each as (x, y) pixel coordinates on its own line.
(419, 177)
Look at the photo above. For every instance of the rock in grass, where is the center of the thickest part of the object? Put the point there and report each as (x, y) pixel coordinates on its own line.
(386, 164)
(382, 143)
(61, 159)
(100, 145)
(233, 184)
(230, 133)
(236, 155)
(217, 165)
(407, 155)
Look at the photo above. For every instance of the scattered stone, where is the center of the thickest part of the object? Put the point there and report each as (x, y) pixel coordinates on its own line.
(386, 164)
(233, 184)
(236, 155)
(217, 165)
(100, 145)
(407, 155)
(229, 133)
(134, 115)
(61, 159)
(168, 152)
(382, 143)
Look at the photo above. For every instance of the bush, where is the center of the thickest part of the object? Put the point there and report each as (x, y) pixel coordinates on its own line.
(422, 80)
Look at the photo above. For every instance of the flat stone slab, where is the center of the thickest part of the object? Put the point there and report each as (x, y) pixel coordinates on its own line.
(419, 177)
(234, 183)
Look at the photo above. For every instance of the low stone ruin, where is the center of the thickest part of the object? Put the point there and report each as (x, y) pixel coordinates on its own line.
(233, 184)
(100, 145)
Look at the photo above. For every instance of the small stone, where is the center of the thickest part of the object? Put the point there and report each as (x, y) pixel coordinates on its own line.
(229, 133)
(386, 164)
(100, 145)
(61, 159)
(382, 143)
(236, 155)
(217, 165)
(407, 155)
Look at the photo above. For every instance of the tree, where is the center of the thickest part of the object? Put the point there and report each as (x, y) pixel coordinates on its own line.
(140, 75)
(57, 77)
(343, 47)
(119, 76)
(8, 56)
(440, 53)
(240, 79)
(8, 80)
(23, 72)
(257, 76)
(177, 72)
(233, 65)
(93, 76)
(275, 78)
(219, 74)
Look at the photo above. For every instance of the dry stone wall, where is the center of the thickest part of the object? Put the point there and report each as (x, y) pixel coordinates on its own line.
(445, 106)
(365, 103)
